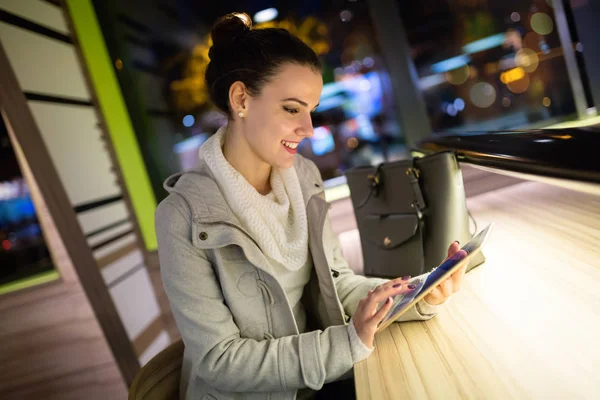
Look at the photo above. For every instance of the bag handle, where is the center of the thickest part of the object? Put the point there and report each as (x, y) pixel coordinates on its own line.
(375, 183)
(413, 173)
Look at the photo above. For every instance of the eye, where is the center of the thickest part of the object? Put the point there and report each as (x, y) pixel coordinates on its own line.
(292, 111)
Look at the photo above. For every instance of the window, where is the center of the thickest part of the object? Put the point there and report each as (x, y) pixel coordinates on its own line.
(24, 256)
(488, 64)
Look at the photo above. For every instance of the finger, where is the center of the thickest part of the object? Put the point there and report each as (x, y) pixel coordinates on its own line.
(454, 247)
(436, 294)
(395, 282)
(457, 278)
(446, 288)
(381, 294)
(382, 312)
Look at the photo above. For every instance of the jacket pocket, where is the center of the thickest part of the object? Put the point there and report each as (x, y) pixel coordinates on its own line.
(268, 301)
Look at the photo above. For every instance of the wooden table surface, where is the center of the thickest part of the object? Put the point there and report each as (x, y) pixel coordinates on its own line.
(526, 324)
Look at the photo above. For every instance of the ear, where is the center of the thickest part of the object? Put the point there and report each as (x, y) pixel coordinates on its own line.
(238, 96)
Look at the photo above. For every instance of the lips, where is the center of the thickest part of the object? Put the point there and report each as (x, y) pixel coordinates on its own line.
(290, 147)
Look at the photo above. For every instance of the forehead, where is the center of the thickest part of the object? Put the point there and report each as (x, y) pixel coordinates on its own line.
(292, 80)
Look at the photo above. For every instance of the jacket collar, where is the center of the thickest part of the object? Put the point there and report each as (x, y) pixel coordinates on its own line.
(207, 203)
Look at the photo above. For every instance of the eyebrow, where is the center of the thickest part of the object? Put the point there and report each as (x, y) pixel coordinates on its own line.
(297, 100)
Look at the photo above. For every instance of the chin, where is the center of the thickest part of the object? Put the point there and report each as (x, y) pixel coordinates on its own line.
(285, 164)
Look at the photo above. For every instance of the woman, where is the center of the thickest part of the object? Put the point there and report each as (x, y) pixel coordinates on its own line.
(246, 248)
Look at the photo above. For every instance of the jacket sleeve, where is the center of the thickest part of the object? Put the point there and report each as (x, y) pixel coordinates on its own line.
(219, 355)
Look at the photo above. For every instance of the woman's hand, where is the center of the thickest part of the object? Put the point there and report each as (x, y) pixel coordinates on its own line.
(452, 284)
(367, 317)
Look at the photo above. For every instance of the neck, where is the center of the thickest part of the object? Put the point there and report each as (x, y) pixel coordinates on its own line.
(239, 154)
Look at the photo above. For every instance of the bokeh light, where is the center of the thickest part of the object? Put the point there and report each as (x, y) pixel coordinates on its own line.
(515, 16)
(266, 15)
(346, 16)
(459, 104)
(527, 59)
(352, 143)
(546, 102)
(519, 86)
(506, 102)
(542, 23)
(483, 94)
(458, 76)
(189, 120)
(512, 75)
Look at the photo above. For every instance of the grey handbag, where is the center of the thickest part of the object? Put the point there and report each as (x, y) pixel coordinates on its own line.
(408, 213)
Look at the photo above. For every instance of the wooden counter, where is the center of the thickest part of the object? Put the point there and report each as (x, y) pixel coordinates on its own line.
(526, 324)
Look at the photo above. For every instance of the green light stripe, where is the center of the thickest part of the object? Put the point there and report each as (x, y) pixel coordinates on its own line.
(30, 281)
(115, 114)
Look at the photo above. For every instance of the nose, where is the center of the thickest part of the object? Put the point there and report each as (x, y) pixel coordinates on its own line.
(306, 127)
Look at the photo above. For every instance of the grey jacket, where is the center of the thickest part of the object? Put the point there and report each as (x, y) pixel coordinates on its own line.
(241, 339)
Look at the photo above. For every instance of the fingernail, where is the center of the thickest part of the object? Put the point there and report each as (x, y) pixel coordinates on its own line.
(411, 286)
(397, 285)
(407, 277)
(389, 300)
(457, 242)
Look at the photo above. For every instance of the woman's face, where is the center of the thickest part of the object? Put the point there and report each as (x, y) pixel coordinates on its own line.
(277, 120)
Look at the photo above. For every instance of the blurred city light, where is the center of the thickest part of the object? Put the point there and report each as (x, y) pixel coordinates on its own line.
(266, 15)
(541, 23)
(519, 85)
(346, 16)
(483, 94)
(458, 76)
(484, 44)
(527, 59)
(512, 75)
(459, 104)
(450, 64)
(188, 121)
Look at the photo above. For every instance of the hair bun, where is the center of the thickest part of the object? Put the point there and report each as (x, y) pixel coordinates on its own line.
(230, 27)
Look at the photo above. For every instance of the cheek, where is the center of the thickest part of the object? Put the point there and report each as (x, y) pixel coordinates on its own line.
(269, 130)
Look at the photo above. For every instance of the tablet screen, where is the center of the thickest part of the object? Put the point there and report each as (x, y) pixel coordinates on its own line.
(427, 284)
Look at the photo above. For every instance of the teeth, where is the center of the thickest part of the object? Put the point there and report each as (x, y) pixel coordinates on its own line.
(290, 145)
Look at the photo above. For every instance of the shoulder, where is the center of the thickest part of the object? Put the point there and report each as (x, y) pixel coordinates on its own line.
(172, 212)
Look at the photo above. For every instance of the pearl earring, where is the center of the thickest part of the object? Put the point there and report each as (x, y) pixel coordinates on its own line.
(241, 114)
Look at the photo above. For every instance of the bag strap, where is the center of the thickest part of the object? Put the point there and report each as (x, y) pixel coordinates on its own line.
(413, 174)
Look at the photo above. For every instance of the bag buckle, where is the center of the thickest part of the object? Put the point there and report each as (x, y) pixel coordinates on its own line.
(413, 171)
(375, 179)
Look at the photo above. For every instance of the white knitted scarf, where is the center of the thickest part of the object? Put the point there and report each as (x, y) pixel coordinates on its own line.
(277, 222)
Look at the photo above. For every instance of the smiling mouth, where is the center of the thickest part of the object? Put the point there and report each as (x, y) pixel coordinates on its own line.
(290, 145)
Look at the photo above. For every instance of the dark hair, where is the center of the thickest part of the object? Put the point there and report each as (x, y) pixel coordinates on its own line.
(251, 56)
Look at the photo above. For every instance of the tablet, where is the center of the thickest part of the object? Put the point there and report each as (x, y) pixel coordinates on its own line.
(447, 268)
